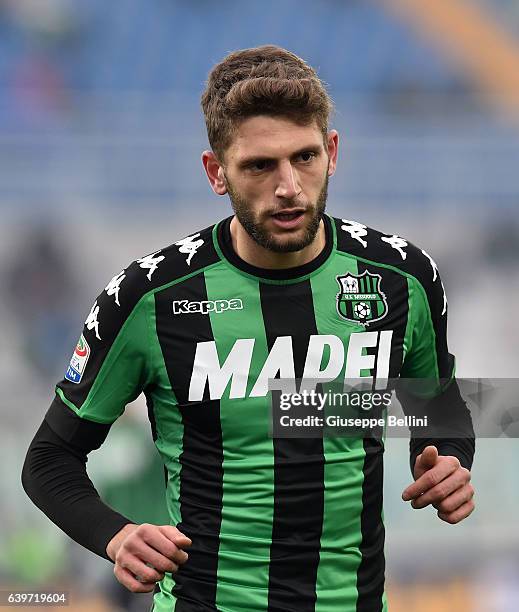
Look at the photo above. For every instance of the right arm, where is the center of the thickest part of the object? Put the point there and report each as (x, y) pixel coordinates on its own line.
(55, 478)
(110, 367)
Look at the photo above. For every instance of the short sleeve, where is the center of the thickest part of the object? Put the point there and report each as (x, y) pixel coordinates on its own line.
(109, 366)
(428, 356)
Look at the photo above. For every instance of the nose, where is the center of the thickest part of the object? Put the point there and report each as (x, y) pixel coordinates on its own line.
(288, 184)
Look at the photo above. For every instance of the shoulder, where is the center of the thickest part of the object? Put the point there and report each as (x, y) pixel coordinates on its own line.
(185, 257)
(387, 250)
(188, 255)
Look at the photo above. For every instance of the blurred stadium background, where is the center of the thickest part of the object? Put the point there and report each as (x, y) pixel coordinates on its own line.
(100, 139)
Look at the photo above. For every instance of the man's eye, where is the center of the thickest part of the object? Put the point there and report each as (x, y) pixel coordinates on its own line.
(260, 165)
(307, 156)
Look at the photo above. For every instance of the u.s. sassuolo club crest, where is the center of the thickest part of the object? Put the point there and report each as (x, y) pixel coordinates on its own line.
(360, 299)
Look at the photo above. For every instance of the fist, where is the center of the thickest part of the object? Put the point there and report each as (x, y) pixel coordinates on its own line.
(143, 553)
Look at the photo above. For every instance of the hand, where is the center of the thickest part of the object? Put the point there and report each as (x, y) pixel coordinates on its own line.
(142, 553)
(442, 482)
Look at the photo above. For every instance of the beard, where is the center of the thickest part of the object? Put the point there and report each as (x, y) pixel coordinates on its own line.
(255, 228)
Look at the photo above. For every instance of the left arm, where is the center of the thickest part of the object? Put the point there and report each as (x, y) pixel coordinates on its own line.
(441, 456)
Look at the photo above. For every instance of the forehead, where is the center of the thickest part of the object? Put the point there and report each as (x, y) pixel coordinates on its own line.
(271, 137)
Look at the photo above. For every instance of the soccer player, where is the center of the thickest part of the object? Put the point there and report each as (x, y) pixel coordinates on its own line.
(279, 289)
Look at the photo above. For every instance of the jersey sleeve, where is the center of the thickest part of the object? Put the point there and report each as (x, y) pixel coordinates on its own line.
(429, 387)
(427, 356)
(110, 364)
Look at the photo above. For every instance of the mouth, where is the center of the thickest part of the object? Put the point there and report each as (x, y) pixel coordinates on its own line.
(289, 218)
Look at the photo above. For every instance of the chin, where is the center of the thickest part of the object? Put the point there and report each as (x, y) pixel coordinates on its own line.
(289, 245)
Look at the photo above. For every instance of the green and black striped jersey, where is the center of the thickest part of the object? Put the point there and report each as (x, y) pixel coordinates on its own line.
(278, 525)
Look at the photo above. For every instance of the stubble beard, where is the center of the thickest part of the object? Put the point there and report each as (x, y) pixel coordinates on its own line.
(262, 236)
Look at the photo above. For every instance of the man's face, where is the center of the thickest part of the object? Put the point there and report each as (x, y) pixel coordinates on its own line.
(276, 173)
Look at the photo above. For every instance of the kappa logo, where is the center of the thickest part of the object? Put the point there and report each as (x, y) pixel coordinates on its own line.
(189, 246)
(356, 230)
(91, 321)
(151, 263)
(360, 299)
(78, 361)
(397, 243)
(114, 286)
(206, 306)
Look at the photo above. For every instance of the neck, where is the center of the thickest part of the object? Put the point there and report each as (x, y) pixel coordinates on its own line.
(254, 254)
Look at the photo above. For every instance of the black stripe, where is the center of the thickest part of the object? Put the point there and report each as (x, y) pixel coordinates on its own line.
(370, 574)
(153, 425)
(201, 459)
(349, 309)
(151, 415)
(298, 467)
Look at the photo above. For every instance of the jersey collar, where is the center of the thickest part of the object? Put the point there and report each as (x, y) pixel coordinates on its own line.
(223, 236)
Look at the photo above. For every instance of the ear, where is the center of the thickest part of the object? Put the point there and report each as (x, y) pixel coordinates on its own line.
(215, 173)
(333, 150)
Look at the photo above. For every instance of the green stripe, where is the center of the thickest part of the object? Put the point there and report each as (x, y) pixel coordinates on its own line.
(426, 343)
(408, 336)
(248, 477)
(164, 601)
(343, 475)
(170, 433)
(421, 341)
(170, 429)
(384, 596)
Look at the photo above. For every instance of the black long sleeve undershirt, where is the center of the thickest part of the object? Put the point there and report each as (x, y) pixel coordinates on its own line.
(450, 424)
(54, 476)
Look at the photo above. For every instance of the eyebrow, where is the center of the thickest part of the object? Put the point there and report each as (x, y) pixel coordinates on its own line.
(247, 161)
